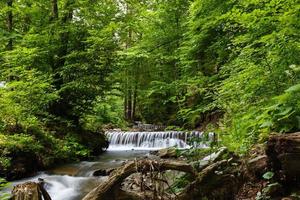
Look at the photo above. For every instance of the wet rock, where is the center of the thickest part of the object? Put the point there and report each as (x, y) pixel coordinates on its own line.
(100, 172)
(154, 152)
(103, 172)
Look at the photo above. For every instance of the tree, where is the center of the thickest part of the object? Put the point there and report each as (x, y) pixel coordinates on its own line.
(9, 22)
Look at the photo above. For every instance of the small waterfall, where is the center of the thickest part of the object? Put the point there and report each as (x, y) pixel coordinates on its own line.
(120, 140)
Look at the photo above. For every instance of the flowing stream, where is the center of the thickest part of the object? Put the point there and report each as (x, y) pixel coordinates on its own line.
(73, 181)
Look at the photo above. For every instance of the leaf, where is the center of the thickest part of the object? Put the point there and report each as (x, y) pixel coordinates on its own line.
(294, 88)
(268, 175)
(266, 124)
(285, 111)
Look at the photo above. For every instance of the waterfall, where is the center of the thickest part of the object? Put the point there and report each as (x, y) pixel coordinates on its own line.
(119, 140)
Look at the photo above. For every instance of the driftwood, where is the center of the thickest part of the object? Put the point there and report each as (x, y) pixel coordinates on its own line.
(30, 191)
(107, 189)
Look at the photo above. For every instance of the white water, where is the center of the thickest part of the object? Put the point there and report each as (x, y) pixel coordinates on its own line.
(119, 140)
(65, 187)
(73, 181)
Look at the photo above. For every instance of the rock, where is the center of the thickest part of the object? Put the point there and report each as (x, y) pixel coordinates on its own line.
(154, 152)
(103, 172)
(100, 172)
(168, 153)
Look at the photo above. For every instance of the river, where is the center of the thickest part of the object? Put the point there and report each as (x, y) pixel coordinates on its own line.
(73, 181)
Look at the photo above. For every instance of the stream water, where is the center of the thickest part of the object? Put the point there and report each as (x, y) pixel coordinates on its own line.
(73, 181)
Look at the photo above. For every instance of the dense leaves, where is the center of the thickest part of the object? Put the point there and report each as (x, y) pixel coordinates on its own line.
(231, 62)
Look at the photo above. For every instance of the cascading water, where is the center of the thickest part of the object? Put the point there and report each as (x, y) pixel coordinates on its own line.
(75, 180)
(119, 140)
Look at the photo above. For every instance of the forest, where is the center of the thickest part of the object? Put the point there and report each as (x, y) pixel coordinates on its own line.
(70, 69)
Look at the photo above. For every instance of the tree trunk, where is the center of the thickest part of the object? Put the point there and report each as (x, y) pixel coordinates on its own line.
(125, 104)
(30, 191)
(54, 9)
(134, 99)
(128, 73)
(9, 22)
(129, 104)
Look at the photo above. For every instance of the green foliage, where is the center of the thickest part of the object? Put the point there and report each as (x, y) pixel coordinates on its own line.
(43, 145)
(54, 68)
(24, 99)
(106, 111)
(268, 175)
(229, 65)
(180, 183)
(196, 154)
(12, 145)
(4, 184)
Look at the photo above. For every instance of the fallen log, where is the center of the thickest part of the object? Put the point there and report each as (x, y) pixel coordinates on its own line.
(107, 189)
(200, 186)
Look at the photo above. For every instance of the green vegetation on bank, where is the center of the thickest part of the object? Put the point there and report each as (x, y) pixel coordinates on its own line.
(70, 67)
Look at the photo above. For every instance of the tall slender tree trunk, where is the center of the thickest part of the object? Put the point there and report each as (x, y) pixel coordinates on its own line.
(128, 84)
(125, 105)
(62, 107)
(54, 9)
(9, 22)
(134, 99)
(64, 39)
(129, 104)
(27, 19)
